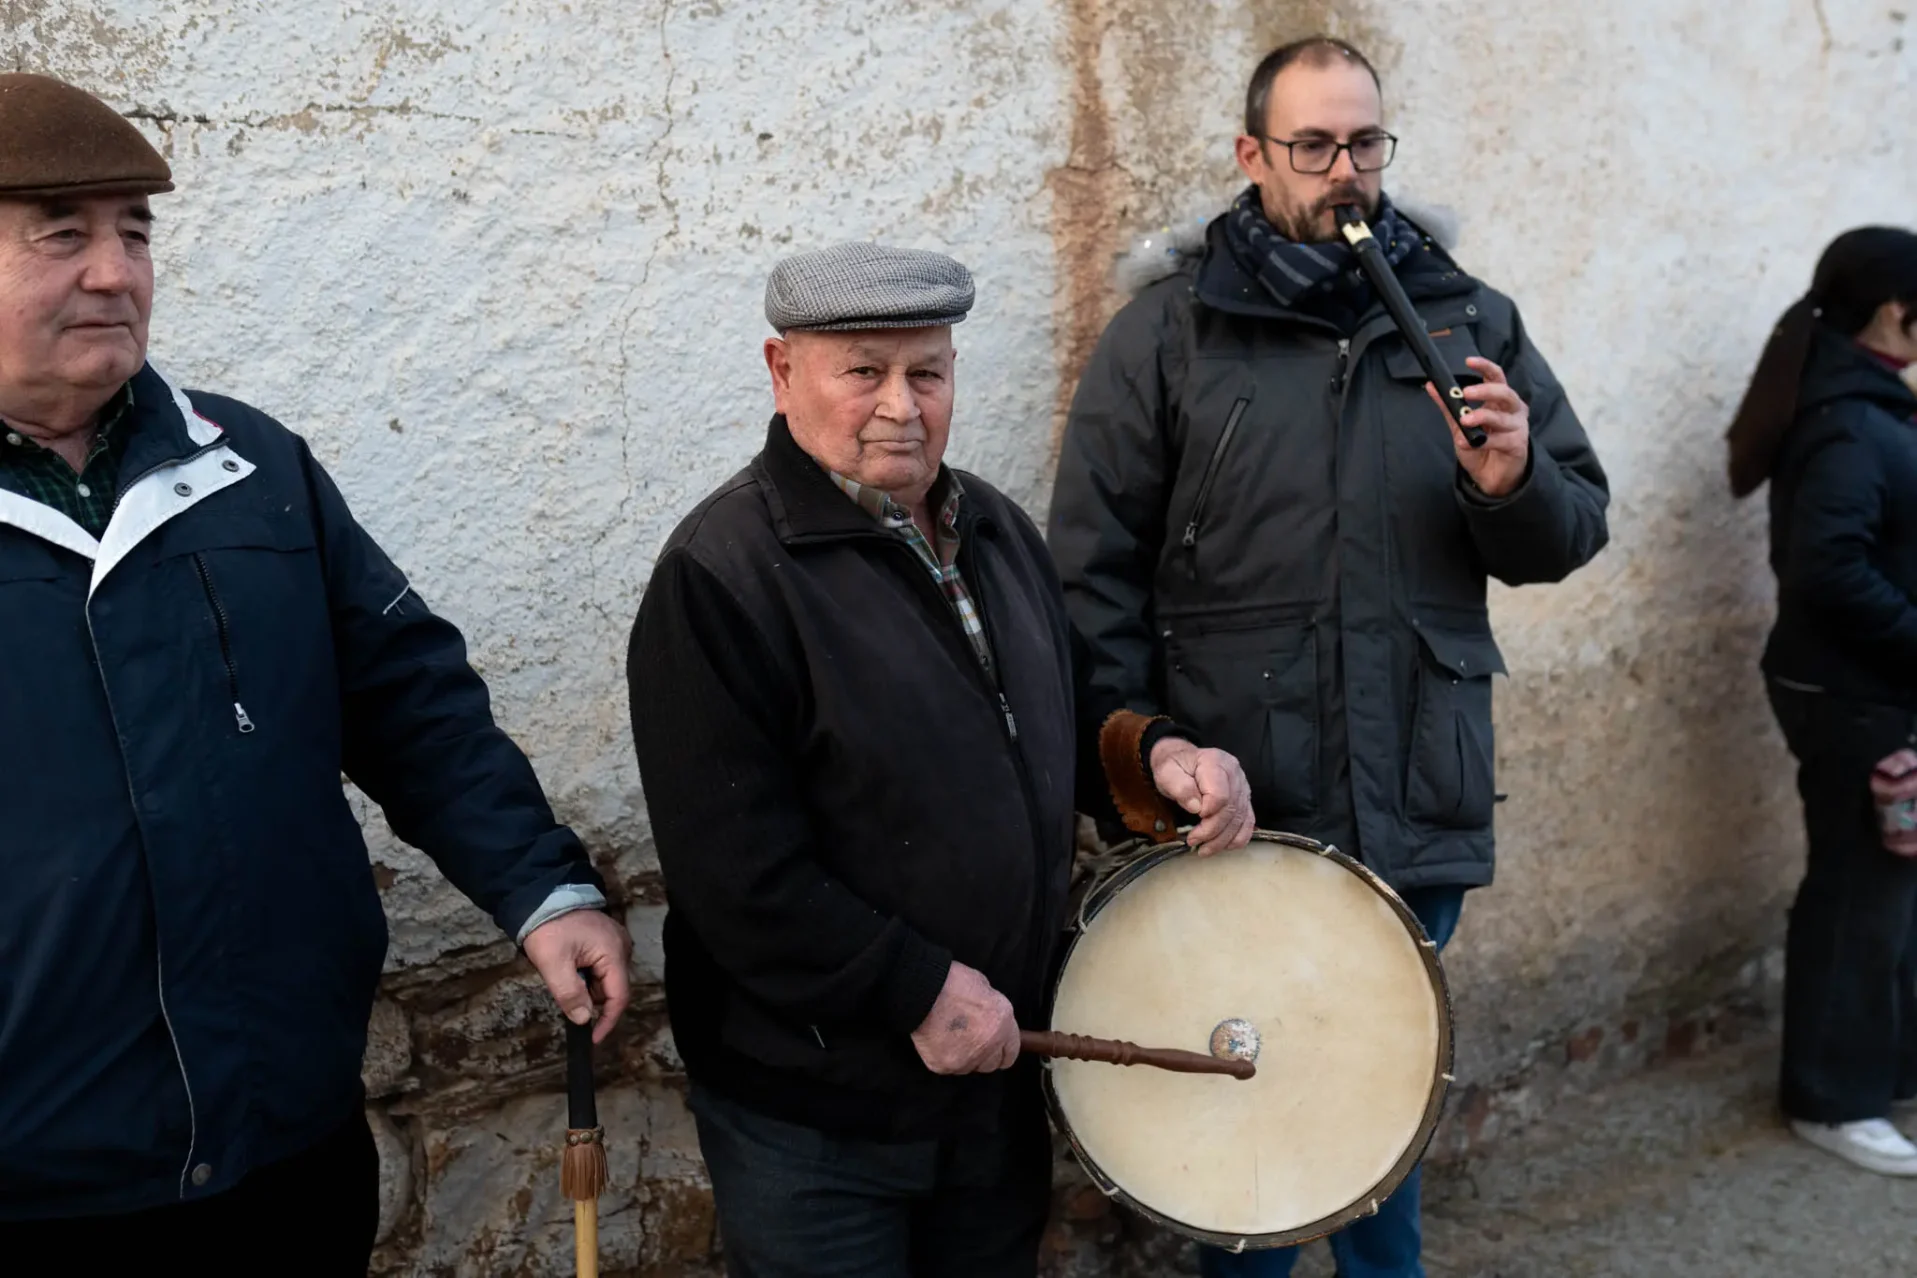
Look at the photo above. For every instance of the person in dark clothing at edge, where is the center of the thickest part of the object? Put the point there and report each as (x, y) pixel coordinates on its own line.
(862, 736)
(1828, 420)
(199, 640)
(1264, 529)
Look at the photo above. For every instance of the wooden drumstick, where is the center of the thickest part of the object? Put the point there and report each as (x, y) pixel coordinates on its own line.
(1116, 1051)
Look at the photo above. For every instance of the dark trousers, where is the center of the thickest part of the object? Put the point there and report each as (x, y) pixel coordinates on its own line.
(796, 1203)
(1850, 974)
(1387, 1244)
(310, 1216)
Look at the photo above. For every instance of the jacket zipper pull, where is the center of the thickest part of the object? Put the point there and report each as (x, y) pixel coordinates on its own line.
(1011, 723)
(239, 716)
(1344, 358)
(1191, 534)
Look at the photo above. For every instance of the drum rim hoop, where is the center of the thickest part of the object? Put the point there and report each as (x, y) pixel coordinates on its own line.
(1147, 859)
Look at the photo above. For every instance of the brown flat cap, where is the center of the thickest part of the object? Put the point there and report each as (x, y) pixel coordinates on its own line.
(59, 140)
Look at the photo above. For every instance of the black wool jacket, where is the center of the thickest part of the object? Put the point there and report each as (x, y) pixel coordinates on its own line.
(844, 802)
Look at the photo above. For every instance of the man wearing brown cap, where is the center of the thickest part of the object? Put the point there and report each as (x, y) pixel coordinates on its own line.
(862, 741)
(198, 641)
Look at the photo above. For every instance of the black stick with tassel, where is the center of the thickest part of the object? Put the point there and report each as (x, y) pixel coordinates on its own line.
(582, 1172)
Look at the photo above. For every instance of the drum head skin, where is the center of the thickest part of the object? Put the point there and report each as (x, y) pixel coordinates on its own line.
(1351, 1019)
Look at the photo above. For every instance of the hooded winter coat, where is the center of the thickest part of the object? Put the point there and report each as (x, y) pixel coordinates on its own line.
(1263, 531)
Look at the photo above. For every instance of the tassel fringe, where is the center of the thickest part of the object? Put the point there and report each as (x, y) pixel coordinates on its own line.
(582, 1173)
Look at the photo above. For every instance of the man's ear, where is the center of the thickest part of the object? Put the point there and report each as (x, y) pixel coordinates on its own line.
(1249, 152)
(778, 362)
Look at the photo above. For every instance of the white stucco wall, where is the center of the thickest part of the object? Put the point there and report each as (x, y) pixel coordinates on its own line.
(502, 263)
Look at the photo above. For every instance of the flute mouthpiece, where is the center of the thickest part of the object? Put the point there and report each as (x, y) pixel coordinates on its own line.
(1352, 223)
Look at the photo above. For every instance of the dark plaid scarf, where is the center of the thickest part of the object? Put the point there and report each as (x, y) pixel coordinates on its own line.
(1299, 275)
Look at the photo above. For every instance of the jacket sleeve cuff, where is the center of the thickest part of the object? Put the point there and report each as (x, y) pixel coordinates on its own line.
(1476, 498)
(918, 975)
(1160, 729)
(563, 899)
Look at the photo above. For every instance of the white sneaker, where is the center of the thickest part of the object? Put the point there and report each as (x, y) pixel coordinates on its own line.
(1872, 1144)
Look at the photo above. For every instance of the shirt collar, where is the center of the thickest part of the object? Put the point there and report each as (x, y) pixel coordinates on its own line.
(113, 416)
(946, 494)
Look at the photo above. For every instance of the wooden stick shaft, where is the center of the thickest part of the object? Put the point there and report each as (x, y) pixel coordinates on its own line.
(1116, 1051)
(585, 1235)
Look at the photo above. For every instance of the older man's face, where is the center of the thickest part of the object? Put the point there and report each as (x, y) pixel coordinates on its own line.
(875, 405)
(76, 291)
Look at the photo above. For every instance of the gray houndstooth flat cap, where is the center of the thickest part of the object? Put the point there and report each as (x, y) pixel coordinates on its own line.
(854, 286)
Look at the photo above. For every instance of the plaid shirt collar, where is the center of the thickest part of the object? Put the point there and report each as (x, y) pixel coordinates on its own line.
(891, 514)
(85, 496)
(939, 558)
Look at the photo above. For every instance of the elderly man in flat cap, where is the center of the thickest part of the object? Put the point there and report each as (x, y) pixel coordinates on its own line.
(199, 640)
(863, 733)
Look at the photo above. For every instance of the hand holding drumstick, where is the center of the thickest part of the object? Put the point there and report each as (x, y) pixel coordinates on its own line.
(971, 1030)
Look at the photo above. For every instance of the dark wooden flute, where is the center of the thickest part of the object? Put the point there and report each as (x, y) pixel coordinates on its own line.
(1371, 260)
(1116, 1051)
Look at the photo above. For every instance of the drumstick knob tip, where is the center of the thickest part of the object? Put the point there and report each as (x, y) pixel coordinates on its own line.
(1236, 1039)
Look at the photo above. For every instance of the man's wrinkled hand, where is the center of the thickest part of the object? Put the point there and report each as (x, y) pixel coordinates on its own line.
(591, 941)
(1211, 786)
(970, 1029)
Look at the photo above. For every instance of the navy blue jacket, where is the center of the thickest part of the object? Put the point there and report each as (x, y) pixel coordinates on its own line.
(1844, 532)
(190, 935)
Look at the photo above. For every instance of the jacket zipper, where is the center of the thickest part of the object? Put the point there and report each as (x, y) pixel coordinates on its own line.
(994, 686)
(1040, 893)
(226, 644)
(1211, 470)
(159, 951)
(1344, 366)
(133, 796)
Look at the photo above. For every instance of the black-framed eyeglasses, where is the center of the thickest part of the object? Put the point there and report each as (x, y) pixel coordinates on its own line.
(1317, 155)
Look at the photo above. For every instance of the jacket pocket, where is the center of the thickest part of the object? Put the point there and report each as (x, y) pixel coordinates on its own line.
(1450, 782)
(1455, 345)
(1254, 693)
(223, 629)
(1197, 518)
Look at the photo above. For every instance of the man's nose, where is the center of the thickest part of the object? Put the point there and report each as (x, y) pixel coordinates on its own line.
(109, 267)
(1343, 168)
(897, 400)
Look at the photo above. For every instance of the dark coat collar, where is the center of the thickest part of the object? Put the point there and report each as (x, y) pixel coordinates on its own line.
(1838, 368)
(807, 506)
(156, 433)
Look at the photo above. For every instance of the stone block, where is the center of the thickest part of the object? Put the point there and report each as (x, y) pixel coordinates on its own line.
(389, 1051)
(506, 1029)
(395, 1172)
(491, 1204)
(646, 923)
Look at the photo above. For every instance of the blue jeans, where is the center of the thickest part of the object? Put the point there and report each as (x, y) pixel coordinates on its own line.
(1385, 1245)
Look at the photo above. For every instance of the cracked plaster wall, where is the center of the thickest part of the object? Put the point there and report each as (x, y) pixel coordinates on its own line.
(502, 263)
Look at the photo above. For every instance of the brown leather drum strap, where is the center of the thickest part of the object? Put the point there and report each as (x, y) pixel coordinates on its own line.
(1141, 807)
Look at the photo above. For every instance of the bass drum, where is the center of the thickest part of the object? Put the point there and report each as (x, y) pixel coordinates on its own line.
(1286, 951)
